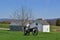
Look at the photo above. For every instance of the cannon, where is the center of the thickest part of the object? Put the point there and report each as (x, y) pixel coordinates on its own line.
(27, 30)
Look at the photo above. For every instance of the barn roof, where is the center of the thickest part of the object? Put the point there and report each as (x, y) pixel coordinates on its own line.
(43, 22)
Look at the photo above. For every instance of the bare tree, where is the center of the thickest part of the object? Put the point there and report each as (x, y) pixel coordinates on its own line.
(26, 15)
(16, 14)
(23, 14)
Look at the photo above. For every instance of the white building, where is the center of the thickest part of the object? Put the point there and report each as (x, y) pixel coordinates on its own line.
(42, 25)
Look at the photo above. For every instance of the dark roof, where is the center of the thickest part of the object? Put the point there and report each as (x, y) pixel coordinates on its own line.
(43, 22)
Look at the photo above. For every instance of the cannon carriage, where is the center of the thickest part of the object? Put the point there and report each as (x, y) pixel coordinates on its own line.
(27, 30)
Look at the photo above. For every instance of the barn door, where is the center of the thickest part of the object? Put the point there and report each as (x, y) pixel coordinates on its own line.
(45, 28)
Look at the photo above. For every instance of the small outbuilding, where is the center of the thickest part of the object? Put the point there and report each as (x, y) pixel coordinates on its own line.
(16, 26)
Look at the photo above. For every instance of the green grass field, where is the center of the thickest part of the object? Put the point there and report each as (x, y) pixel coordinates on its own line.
(4, 25)
(54, 28)
(16, 35)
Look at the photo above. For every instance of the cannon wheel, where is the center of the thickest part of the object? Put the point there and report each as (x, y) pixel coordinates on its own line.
(35, 31)
(26, 32)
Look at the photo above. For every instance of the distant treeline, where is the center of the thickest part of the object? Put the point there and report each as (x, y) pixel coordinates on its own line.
(58, 22)
(4, 22)
(54, 22)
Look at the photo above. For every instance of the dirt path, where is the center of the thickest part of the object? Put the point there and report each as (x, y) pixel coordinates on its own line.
(4, 29)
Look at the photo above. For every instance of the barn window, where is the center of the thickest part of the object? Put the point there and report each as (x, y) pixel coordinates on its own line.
(36, 23)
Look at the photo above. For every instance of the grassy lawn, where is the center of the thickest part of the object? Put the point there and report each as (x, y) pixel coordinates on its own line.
(54, 28)
(16, 35)
(4, 25)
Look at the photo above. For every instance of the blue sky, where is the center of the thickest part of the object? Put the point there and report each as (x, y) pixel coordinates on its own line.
(46, 9)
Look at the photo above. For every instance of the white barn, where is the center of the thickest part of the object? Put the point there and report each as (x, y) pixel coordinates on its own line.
(42, 25)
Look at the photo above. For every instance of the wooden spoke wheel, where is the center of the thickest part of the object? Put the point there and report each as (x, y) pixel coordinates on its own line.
(35, 31)
(26, 31)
